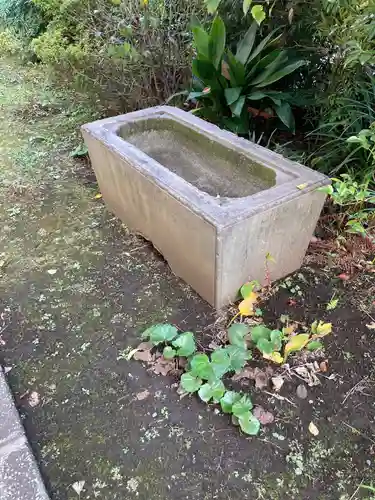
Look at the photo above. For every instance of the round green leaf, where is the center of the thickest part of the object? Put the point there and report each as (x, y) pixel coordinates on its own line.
(185, 344)
(190, 383)
(249, 424)
(242, 406)
(260, 332)
(220, 362)
(248, 288)
(228, 400)
(160, 333)
(169, 352)
(201, 366)
(314, 345)
(276, 337)
(212, 390)
(265, 346)
(258, 14)
(237, 333)
(237, 357)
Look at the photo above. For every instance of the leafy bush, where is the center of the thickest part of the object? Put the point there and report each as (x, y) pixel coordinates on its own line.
(347, 116)
(344, 101)
(22, 17)
(135, 54)
(355, 202)
(206, 374)
(228, 86)
(9, 43)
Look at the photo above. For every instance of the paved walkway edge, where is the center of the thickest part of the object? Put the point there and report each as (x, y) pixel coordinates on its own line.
(20, 478)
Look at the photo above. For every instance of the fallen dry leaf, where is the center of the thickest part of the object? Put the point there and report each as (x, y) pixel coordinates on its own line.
(323, 366)
(143, 352)
(264, 417)
(301, 391)
(277, 382)
(162, 366)
(313, 429)
(142, 395)
(308, 374)
(261, 379)
(33, 399)
(344, 277)
(182, 362)
(371, 326)
(98, 196)
(78, 487)
(247, 373)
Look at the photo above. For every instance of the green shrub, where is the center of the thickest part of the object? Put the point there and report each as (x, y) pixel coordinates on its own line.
(230, 88)
(9, 43)
(346, 117)
(22, 17)
(134, 54)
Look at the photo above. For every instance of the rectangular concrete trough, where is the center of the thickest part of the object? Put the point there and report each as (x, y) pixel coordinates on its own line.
(212, 203)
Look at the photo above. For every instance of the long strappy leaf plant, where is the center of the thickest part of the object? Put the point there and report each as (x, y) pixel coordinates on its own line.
(231, 88)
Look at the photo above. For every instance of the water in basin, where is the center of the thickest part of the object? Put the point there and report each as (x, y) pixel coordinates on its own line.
(207, 164)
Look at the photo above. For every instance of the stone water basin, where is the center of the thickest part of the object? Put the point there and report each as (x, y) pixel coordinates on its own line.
(212, 203)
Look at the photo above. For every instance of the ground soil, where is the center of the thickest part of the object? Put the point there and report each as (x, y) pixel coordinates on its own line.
(76, 290)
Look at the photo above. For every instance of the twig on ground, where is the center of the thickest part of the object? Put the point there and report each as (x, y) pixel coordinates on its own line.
(353, 389)
(273, 444)
(356, 491)
(356, 431)
(281, 398)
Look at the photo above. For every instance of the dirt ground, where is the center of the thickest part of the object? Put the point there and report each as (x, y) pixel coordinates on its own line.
(77, 289)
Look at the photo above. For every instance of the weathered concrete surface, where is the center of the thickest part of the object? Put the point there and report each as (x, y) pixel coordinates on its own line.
(19, 474)
(215, 243)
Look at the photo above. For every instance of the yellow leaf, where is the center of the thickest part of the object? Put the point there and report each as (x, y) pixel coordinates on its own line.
(320, 329)
(98, 196)
(269, 258)
(288, 330)
(302, 186)
(275, 357)
(246, 307)
(296, 343)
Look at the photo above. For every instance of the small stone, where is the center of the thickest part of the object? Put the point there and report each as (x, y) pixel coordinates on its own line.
(313, 429)
(301, 391)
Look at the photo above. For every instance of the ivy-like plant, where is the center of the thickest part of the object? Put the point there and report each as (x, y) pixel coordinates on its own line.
(204, 373)
(275, 345)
